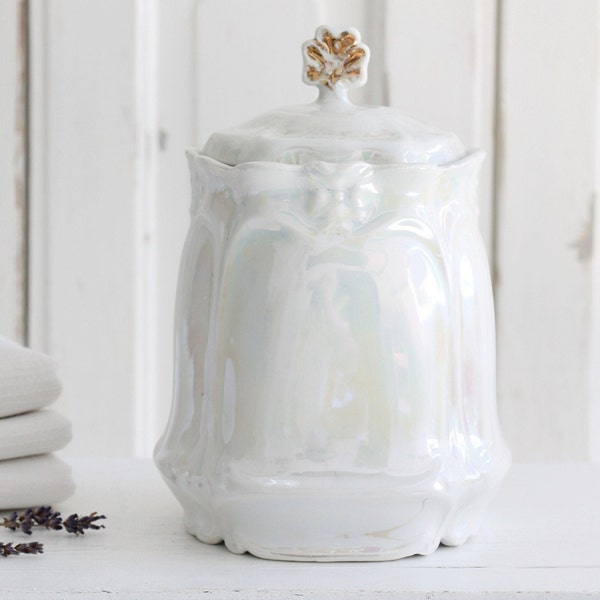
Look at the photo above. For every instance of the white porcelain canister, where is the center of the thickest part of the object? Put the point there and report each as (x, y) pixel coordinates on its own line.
(334, 394)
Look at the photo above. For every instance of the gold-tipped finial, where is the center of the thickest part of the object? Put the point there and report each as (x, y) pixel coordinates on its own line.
(335, 57)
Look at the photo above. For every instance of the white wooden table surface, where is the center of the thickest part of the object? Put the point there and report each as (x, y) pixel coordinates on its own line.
(541, 539)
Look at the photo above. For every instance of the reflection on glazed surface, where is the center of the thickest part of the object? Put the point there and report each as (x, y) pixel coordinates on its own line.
(334, 345)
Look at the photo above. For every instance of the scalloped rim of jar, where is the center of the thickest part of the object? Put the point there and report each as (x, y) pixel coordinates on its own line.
(472, 156)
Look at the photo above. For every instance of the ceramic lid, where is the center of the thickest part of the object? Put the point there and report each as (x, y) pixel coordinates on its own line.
(333, 129)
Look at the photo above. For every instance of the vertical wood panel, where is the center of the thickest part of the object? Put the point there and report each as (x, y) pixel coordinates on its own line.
(441, 69)
(145, 212)
(13, 47)
(84, 246)
(593, 366)
(594, 359)
(246, 65)
(547, 177)
(176, 93)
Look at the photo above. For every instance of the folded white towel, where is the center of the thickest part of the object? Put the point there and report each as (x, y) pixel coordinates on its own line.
(36, 432)
(28, 379)
(34, 481)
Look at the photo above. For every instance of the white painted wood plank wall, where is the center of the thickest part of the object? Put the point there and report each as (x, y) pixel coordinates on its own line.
(88, 216)
(120, 88)
(13, 84)
(546, 258)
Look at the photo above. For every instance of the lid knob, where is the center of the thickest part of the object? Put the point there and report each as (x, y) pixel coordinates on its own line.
(335, 60)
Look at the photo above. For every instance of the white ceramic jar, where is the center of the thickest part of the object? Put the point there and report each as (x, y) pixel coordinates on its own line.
(334, 394)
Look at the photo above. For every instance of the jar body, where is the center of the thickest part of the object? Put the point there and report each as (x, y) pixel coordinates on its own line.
(334, 391)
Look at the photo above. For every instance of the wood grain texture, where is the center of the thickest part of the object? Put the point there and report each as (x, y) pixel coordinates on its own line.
(244, 70)
(83, 201)
(593, 431)
(540, 540)
(13, 184)
(545, 261)
(176, 109)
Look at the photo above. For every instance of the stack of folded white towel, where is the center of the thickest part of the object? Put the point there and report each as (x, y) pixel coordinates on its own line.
(30, 475)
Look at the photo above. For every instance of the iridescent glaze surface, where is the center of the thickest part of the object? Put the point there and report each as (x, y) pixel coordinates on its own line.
(335, 371)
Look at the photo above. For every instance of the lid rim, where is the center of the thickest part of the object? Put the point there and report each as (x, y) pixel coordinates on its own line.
(332, 127)
(471, 155)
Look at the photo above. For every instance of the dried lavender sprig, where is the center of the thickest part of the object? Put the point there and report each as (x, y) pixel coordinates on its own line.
(43, 515)
(23, 548)
(50, 519)
(76, 524)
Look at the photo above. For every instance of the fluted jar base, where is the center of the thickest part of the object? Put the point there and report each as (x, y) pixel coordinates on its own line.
(335, 517)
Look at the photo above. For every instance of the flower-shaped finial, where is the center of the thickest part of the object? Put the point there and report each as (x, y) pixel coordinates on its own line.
(335, 58)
